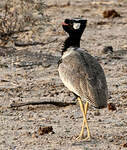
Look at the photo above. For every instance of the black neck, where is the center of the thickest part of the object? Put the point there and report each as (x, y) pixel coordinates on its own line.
(71, 42)
(74, 36)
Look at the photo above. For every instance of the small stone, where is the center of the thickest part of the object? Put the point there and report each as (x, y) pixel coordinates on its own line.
(34, 135)
(72, 117)
(124, 144)
(99, 120)
(15, 138)
(45, 130)
(111, 106)
(107, 50)
(111, 139)
(96, 113)
(110, 14)
(28, 134)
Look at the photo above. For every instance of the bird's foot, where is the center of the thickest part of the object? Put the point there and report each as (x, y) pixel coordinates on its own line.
(82, 138)
(79, 138)
(87, 138)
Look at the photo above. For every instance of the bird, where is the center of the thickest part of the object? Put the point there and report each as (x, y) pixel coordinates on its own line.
(81, 73)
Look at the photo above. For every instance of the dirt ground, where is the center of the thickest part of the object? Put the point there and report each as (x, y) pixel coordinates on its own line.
(30, 74)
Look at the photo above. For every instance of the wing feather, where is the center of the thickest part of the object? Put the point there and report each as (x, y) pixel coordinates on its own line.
(83, 75)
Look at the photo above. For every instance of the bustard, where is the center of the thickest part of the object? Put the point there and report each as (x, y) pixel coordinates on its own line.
(81, 73)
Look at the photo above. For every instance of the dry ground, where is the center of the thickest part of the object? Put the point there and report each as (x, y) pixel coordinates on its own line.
(30, 74)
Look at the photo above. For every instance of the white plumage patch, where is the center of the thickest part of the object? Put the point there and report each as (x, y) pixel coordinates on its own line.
(70, 50)
(76, 25)
(67, 53)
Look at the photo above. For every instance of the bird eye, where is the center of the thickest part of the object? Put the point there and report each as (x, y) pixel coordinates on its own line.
(76, 25)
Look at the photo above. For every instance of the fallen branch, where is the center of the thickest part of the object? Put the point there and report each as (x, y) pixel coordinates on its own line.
(59, 104)
(20, 44)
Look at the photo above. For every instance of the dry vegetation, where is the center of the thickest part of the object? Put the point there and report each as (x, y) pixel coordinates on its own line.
(19, 16)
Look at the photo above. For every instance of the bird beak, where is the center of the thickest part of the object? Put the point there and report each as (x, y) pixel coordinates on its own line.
(65, 24)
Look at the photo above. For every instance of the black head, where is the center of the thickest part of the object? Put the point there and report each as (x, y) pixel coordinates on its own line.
(74, 27)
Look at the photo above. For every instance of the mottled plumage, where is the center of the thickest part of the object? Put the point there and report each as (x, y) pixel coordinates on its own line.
(83, 75)
(80, 72)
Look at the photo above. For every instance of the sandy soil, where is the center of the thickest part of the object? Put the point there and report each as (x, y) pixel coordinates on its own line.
(30, 74)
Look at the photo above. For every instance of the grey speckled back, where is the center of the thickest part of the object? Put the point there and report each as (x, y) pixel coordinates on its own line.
(82, 74)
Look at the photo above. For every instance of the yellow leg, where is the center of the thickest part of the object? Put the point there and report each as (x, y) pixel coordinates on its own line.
(84, 111)
(85, 120)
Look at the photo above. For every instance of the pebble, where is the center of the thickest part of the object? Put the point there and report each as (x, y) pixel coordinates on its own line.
(96, 113)
(107, 50)
(111, 139)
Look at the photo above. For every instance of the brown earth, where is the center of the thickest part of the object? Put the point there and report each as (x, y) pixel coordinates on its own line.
(30, 74)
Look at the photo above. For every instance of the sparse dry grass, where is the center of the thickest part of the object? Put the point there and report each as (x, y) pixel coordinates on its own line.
(19, 16)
